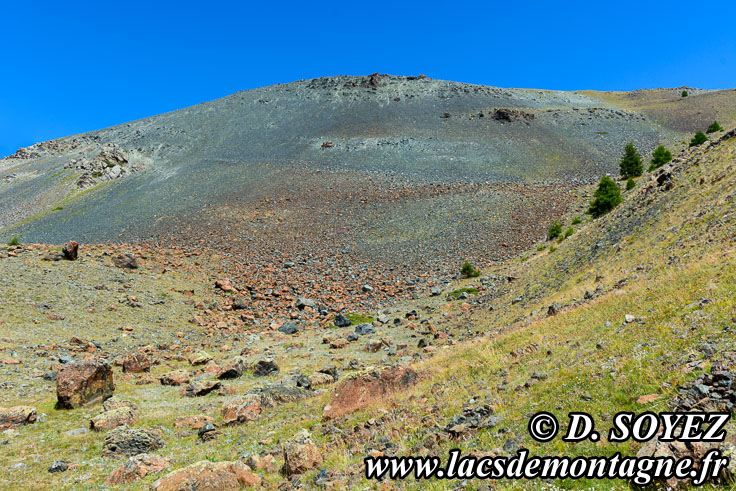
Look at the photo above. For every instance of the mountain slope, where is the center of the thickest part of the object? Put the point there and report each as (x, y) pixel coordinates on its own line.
(642, 305)
(422, 130)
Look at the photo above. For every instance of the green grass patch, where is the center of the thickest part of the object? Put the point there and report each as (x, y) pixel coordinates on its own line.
(469, 290)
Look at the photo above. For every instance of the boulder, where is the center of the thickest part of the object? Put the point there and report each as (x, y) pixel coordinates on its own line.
(206, 475)
(300, 454)
(115, 403)
(83, 383)
(137, 467)
(11, 417)
(302, 303)
(136, 363)
(126, 261)
(240, 303)
(193, 422)
(290, 327)
(318, 379)
(363, 329)
(265, 367)
(200, 358)
(257, 401)
(177, 377)
(342, 321)
(109, 420)
(361, 390)
(201, 388)
(124, 440)
(70, 251)
(233, 369)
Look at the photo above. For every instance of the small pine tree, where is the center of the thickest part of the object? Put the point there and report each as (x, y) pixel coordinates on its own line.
(630, 183)
(660, 156)
(607, 197)
(684, 93)
(631, 165)
(469, 271)
(14, 241)
(698, 139)
(714, 126)
(554, 230)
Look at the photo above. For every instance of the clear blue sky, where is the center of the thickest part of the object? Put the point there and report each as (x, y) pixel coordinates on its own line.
(70, 67)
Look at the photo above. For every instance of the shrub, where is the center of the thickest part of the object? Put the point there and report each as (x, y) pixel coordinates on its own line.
(569, 232)
(554, 230)
(698, 139)
(630, 183)
(607, 197)
(577, 220)
(660, 156)
(541, 247)
(631, 165)
(469, 271)
(714, 126)
(14, 241)
(552, 249)
(684, 93)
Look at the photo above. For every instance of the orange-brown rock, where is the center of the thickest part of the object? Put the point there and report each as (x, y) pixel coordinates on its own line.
(112, 419)
(194, 422)
(70, 251)
(136, 363)
(359, 391)
(177, 377)
(206, 475)
(137, 467)
(300, 454)
(11, 417)
(84, 383)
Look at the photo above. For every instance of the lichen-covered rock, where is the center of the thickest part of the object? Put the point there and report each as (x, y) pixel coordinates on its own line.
(255, 402)
(200, 358)
(84, 383)
(136, 363)
(108, 420)
(115, 403)
(359, 391)
(300, 454)
(137, 467)
(233, 368)
(124, 441)
(12, 417)
(206, 475)
(177, 377)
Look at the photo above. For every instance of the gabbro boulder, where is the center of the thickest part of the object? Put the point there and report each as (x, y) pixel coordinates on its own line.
(83, 383)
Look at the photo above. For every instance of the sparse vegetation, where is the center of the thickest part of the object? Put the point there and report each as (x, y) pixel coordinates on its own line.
(631, 164)
(698, 139)
(554, 230)
(660, 156)
(468, 290)
(714, 126)
(630, 183)
(57, 208)
(607, 197)
(552, 248)
(14, 241)
(541, 247)
(360, 318)
(469, 271)
(577, 220)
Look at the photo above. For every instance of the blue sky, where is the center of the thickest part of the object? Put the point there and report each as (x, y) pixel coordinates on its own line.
(70, 67)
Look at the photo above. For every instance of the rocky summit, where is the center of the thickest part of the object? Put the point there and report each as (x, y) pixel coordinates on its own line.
(265, 289)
